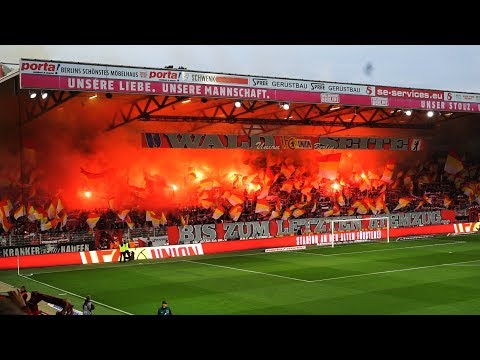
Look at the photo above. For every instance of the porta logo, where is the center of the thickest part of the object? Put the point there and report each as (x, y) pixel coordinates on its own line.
(164, 75)
(38, 67)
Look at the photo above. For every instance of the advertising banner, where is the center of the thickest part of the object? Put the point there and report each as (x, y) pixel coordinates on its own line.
(57, 75)
(273, 228)
(277, 142)
(46, 249)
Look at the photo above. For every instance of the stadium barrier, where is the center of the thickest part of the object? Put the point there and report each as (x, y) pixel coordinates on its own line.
(172, 251)
(46, 248)
(266, 229)
(45, 239)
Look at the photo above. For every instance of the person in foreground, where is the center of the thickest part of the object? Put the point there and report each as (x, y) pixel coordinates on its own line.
(14, 304)
(88, 306)
(164, 309)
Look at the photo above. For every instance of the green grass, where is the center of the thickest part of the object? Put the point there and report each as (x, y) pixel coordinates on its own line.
(434, 276)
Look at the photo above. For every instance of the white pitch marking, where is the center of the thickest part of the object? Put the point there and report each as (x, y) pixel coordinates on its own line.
(392, 271)
(79, 296)
(159, 262)
(245, 270)
(379, 250)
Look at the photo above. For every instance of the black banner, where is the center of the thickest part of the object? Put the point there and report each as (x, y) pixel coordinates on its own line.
(47, 249)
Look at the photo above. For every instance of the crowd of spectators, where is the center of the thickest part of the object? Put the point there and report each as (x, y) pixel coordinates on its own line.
(321, 199)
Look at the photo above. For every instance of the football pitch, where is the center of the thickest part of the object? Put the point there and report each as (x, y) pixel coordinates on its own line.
(439, 275)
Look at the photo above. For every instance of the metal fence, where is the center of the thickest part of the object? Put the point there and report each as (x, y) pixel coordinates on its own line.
(73, 237)
(44, 239)
(144, 233)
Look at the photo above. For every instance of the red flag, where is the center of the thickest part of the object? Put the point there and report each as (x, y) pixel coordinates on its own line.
(388, 171)
(219, 211)
(64, 219)
(236, 199)
(163, 219)
(92, 220)
(129, 222)
(328, 165)
(447, 201)
(402, 202)
(4, 220)
(20, 212)
(235, 212)
(262, 206)
(287, 186)
(123, 214)
(286, 214)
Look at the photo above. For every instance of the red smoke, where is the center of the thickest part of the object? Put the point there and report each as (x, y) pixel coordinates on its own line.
(116, 167)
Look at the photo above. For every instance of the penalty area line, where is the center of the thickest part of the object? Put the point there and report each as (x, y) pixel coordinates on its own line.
(380, 250)
(136, 263)
(396, 270)
(245, 270)
(76, 295)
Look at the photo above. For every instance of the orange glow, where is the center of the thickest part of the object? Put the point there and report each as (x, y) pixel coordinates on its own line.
(174, 187)
(117, 166)
(232, 175)
(199, 175)
(336, 186)
(363, 175)
(253, 187)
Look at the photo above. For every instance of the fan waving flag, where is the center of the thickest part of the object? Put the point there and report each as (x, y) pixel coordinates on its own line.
(163, 219)
(59, 206)
(235, 212)
(52, 210)
(123, 214)
(156, 220)
(219, 211)
(129, 222)
(402, 202)
(388, 171)
(262, 206)
(20, 212)
(7, 206)
(453, 164)
(64, 219)
(236, 199)
(32, 213)
(328, 165)
(4, 220)
(92, 220)
(148, 215)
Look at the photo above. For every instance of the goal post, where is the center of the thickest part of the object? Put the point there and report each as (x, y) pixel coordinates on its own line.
(375, 228)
